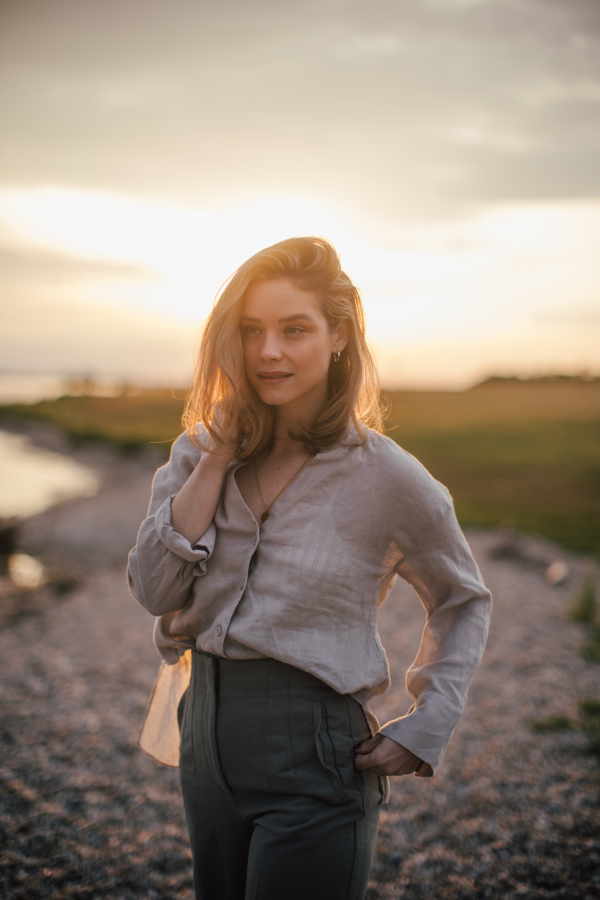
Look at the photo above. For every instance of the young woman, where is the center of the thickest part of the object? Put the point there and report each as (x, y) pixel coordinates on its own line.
(274, 533)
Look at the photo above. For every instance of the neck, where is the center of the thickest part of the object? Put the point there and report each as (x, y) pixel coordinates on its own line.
(285, 445)
(288, 418)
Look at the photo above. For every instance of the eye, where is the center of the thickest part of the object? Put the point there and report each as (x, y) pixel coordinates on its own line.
(295, 329)
(249, 330)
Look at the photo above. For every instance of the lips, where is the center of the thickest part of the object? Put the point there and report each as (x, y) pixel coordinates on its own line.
(273, 377)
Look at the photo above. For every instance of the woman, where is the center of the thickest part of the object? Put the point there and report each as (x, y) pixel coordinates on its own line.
(274, 533)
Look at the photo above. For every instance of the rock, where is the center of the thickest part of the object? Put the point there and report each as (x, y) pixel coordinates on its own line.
(84, 813)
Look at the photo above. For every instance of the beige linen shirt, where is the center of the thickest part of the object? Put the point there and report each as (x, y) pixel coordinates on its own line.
(305, 587)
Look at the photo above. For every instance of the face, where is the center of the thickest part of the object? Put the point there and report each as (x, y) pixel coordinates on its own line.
(287, 344)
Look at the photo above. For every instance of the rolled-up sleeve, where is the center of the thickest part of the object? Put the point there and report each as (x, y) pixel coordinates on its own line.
(445, 576)
(179, 545)
(163, 564)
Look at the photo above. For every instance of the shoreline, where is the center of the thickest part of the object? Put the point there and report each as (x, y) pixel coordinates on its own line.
(77, 537)
(509, 813)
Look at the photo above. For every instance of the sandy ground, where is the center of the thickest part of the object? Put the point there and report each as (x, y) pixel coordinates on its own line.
(84, 813)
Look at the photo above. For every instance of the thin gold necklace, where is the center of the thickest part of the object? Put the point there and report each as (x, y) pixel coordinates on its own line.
(268, 508)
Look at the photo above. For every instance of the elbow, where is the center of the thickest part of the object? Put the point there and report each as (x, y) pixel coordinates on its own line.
(157, 594)
(472, 596)
(158, 607)
(133, 577)
(159, 600)
(157, 603)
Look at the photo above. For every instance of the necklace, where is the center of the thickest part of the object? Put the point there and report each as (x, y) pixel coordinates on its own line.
(268, 508)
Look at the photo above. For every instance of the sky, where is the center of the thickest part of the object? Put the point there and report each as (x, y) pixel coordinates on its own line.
(449, 148)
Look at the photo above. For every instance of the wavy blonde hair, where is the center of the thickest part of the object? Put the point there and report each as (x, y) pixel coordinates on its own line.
(221, 392)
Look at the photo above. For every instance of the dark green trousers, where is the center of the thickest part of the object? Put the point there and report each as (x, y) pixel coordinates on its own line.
(275, 808)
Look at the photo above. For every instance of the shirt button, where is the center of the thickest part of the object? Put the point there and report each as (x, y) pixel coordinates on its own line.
(218, 630)
(241, 585)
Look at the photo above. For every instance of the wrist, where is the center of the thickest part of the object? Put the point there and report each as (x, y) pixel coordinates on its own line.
(212, 460)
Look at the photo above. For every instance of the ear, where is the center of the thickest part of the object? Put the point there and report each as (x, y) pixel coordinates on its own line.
(340, 335)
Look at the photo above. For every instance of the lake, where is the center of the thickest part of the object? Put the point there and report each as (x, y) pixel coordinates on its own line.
(32, 479)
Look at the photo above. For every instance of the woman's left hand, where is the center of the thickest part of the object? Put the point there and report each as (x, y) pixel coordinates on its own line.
(384, 756)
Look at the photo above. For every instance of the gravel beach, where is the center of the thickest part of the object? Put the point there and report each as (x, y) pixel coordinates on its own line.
(84, 813)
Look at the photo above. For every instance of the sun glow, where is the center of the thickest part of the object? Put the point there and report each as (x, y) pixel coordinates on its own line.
(489, 279)
(189, 252)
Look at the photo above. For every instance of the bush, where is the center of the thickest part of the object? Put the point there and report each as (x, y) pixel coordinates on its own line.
(584, 608)
(552, 723)
(590, 650)
(590, 724)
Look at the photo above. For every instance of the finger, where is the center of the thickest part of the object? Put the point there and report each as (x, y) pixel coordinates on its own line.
(383, 767)
(369, 745)
(368, 760)
(365, 748)
(361, 762)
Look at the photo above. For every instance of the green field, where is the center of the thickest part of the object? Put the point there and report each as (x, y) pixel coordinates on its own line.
(132, 421)
(523, 455)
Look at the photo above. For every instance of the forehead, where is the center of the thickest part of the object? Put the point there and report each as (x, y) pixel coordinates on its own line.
(279, 297)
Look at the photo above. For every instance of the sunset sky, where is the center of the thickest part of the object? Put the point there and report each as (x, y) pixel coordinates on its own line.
(449, 148)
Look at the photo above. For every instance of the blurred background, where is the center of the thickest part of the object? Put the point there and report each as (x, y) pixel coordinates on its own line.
(450, 149)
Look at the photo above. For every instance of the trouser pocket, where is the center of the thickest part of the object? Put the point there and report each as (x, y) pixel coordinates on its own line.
(198, 746)
(336, 763)
(184, 720)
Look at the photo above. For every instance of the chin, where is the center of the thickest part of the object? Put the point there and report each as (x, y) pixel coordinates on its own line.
(272, 396)
(273, 399)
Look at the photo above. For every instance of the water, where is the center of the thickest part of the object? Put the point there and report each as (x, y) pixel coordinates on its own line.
(18, 387)
(29, 388)
(25, 572)
(32, 479)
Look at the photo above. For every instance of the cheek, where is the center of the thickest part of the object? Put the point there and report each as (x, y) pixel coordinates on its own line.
(307, 360)
(317, 357)
(247, 354)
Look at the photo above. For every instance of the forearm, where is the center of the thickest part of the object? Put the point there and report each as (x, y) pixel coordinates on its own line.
(169, 555)
(194, 507)
(448, 583)
(163, 565)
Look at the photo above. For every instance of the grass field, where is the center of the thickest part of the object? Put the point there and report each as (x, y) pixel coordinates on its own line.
(524, 455)
(130, 421)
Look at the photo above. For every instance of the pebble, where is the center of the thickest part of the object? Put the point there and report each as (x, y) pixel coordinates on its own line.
(84, 813)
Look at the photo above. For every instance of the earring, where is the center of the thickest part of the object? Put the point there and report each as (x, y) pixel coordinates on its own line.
(336, 356)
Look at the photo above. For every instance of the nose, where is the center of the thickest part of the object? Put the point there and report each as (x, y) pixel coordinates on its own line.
(270, 348)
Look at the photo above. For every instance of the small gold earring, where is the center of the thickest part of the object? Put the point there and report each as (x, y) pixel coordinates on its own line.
(336, 356)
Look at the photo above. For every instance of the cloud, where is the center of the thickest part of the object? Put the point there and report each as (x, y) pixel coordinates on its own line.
(586, 318)
(399, 109)
(48, 325)
(25, 269)
(416, 117)
(56, 335)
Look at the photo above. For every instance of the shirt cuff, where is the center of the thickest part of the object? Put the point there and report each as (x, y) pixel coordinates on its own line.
(424, 769)
(176, 543)
(414, 732)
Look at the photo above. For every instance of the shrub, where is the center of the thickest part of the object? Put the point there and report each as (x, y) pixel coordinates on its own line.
(584, 608)
(590, 724)
(552, 723)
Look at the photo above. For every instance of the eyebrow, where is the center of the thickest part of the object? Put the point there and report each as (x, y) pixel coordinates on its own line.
(293, 318)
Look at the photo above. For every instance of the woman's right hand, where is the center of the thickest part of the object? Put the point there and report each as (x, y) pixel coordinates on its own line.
(225, 452)
(194, 507)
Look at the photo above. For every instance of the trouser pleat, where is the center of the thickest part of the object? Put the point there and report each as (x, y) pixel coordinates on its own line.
(274, 805)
